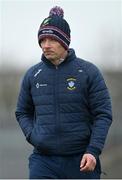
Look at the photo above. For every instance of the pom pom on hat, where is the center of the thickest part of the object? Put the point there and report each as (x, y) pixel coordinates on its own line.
(55, 26)
(56, 11)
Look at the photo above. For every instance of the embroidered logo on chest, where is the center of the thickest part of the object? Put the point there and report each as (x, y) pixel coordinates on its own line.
(71, 83)
(40, 85)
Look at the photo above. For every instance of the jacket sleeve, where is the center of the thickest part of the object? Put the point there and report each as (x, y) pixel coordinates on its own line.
(100, 109)
(25, 108)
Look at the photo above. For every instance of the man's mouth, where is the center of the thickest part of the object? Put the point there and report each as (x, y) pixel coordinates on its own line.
(48, 52)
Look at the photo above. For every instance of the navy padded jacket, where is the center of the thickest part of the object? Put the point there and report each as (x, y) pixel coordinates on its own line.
(66, 109)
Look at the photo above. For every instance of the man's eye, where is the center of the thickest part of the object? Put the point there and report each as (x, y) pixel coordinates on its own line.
(53, 40)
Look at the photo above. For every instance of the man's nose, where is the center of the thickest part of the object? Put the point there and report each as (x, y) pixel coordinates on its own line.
(46, 44)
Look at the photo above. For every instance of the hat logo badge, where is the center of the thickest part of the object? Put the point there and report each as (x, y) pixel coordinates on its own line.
(48, 31)
(46, 22)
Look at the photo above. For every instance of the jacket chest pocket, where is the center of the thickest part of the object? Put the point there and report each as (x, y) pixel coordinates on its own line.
(73, 89)
(41, 88)
(72, 85)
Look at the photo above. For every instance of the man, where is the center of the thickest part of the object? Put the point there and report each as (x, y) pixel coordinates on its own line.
(64, 108)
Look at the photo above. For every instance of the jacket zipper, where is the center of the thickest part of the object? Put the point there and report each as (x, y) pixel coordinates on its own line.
(57, 121)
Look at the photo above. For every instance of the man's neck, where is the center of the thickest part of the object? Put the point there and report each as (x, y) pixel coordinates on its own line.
(59, 61)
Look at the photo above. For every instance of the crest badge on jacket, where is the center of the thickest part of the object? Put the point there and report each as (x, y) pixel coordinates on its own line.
(71, 83)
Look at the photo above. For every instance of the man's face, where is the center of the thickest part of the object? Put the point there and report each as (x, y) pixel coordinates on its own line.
(52, 49)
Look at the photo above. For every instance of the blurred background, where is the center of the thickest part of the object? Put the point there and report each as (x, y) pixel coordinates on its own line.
(96, 35)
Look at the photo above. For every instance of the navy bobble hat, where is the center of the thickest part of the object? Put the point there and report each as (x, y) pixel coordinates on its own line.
(55, 26)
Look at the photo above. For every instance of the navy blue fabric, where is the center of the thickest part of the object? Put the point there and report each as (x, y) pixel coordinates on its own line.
(60, 167)
(66, 109)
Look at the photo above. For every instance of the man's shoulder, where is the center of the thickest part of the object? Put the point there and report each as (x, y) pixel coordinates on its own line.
(89, 68)
(85, 64)
(34, 69)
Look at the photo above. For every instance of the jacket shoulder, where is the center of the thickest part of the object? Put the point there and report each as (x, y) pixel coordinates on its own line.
(85, 64)
(30, 74)
(34, 69)
(88, 67)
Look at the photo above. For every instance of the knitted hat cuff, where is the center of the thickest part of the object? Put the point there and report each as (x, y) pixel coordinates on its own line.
(51, 31)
